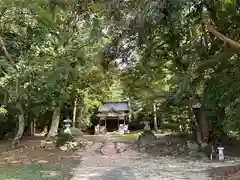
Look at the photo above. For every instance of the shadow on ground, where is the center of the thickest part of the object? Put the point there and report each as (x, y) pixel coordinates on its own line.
(175, 147)
(29, 160)
(123, 173)
(164, 146)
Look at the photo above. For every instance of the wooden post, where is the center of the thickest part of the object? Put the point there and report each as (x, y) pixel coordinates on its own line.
(33, 127)
(74, 112)
(129, 111)
(105, 124)
(118, 122)
(155, 116)
(99, 122)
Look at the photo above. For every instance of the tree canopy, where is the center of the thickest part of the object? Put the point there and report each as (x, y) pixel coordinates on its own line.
(54, 53)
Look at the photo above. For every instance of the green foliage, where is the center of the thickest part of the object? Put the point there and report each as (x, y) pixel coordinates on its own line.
(3, 111)
(122, 50)
(7, 121)
(56, 51)
(64, 138)
(175, 53)
(174, 118)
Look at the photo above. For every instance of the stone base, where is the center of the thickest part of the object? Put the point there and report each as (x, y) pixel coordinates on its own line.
(145, 139)
(100, 130)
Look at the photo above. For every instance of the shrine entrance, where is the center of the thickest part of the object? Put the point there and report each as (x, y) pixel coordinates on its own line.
(112, 120)
(113, 116)
(112, 124)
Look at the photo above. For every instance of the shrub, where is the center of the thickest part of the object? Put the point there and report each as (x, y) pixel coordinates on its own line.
(64, 138)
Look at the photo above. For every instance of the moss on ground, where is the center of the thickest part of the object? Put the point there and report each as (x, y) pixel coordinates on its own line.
(34, 172)
(130, 137)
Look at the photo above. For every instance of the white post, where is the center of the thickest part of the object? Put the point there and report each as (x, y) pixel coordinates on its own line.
(155, 124)
(220, 153)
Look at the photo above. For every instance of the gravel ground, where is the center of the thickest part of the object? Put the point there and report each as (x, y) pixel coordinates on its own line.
(132, 165)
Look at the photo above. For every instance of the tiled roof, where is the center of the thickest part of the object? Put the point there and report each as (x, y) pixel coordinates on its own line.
(117, 106)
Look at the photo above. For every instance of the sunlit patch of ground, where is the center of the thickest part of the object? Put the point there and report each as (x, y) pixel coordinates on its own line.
(129, 137)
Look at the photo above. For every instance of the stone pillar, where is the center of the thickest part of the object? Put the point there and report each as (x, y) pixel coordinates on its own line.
(220, 153)
(118, 123)
(105, 125)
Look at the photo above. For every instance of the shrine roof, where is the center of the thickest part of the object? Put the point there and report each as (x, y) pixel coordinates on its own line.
(114, 105)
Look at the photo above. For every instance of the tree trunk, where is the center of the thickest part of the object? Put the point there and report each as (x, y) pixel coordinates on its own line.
(204, 128)
(191, 116)
(225, 39)
(5, 101)
(74, 111)
(155, 117)
(201, 126)
(33, 127)
(21, 125)
(55, 122)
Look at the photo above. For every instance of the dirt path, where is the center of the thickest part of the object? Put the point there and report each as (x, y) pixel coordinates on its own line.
(132, 165)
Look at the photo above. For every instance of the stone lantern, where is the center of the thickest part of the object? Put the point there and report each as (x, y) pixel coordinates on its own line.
(147, 126)
(67, 125)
